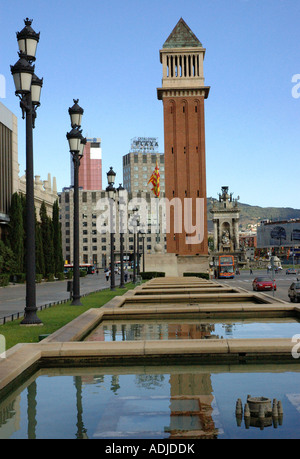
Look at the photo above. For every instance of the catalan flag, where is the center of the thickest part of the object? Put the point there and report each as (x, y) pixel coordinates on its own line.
(154, 179)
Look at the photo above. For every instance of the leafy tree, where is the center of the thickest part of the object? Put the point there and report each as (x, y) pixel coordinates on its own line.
(16, 231)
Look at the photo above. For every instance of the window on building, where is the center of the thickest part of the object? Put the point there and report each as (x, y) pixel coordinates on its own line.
(85, 239)
(85, 248)
(84, 197)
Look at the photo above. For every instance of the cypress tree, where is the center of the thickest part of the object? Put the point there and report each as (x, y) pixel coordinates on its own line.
(57, 242)
(39, 251)
(23, 202)
(16, 231)
(47, 240)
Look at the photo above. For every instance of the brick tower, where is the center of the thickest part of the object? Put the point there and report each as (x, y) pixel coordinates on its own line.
(183, 93)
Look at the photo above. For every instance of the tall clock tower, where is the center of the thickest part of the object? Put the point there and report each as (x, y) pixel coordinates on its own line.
(183, 93)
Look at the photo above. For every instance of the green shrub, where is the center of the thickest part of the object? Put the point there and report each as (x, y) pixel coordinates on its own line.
(202, 275)
(152, 274)
(70, 274)
(82, 272)
(60, 276)
(4, 280)
(50, 277)
(38, 278)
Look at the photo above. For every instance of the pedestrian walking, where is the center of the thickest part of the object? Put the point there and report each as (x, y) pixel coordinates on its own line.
(125, 275)
(107, 275)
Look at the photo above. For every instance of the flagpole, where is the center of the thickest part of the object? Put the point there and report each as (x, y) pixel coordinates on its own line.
(157, 216)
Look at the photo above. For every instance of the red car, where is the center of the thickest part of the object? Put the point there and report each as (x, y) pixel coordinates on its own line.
(263, 283)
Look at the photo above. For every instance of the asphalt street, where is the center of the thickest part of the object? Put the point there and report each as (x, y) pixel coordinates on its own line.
(245, 279)
(12, 297)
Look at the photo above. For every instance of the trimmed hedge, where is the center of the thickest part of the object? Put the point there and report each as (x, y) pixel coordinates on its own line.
(152, 274)
(202, 275)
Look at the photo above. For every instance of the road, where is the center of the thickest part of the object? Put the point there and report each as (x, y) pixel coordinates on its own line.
(244, 280)
(12, 297)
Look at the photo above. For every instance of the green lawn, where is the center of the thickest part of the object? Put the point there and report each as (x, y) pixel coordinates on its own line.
(55, 317)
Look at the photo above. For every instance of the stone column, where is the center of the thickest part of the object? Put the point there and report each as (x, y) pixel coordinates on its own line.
(215, 222)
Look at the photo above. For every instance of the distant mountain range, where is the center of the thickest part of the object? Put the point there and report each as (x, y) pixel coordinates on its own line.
(254, 214)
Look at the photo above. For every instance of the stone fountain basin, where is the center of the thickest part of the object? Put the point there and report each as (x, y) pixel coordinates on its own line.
(256, 402)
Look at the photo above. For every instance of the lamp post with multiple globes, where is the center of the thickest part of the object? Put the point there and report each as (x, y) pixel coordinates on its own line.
(28, 88)
(76, 146)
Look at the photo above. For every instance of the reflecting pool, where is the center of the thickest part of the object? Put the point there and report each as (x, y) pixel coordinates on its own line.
(150, 402)
(126, 330)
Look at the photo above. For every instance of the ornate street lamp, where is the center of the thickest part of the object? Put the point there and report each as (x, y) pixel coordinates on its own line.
(111, 177)
(28, 40)
(76, 147)
(28, 89)
(76, 113)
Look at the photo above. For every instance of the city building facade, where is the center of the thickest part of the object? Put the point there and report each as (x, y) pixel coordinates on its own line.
(183, 93)
(9, 167)
(44, 191)
(90, 170)
(139, 163)
(94, 224)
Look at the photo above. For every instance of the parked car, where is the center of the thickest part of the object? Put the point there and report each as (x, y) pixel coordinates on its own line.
(294, 292)
(291, 271)
(263, 283)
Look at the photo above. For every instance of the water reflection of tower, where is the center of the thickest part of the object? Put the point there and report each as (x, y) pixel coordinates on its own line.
(190, 331)
(191, 406)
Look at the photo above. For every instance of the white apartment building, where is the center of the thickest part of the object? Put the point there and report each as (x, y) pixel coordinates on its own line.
(94, 237)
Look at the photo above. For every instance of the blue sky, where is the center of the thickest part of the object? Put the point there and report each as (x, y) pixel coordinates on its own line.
(106, 53)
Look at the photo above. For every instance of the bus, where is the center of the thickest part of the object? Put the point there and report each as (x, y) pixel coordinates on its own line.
(90, 269)
(226, 267)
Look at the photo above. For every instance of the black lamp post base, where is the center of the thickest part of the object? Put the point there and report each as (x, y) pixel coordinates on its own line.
(31, 319)
(76, 302)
